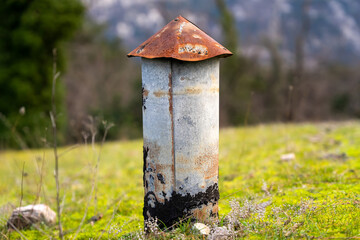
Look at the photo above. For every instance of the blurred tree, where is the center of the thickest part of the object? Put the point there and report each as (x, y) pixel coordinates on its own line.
(239, 76)
(299, 71)
(274, 99)
(101, 82)
(29, 31)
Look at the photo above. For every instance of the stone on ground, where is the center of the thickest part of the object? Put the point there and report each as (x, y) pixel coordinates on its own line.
(24, 217)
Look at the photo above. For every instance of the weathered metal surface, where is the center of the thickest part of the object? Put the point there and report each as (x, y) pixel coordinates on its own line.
(180, 39)
(181, 135)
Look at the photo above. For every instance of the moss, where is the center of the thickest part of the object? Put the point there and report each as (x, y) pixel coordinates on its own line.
(248, 157)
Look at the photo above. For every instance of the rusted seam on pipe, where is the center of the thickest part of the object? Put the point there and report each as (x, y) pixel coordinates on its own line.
(171, 110)
(188, 91)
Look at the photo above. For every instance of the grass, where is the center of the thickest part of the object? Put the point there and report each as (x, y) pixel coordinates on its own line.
(315, 195)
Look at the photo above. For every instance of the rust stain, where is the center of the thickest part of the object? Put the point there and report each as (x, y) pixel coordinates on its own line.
(208, 162)
(193, 90)
(213, 170)
(161, 32)
(190, 91)
(205, 158)
(159, 188)
(162, 167)
(214, 90)
(215, 209)
(200, 213)
(160, 93)
(206, 213)
(183, 159)
(145, 92)
(180, 39)
(171, 109)
(213, 79)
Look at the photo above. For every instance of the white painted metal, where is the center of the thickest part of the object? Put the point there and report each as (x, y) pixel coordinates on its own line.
(180, 130)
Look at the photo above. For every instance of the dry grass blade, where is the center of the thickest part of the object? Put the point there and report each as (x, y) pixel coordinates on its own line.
(22, 184)
(17, 230)
(15, 134)
(3, 235)
(93, 185)
(53, 124)
(117, 201)
(26, 222)
(293, 229)
(69, 149)
(41, 174)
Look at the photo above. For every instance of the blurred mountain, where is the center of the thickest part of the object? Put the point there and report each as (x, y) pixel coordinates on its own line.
(333, 32)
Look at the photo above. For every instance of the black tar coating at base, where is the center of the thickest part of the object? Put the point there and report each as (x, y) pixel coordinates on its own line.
(145, 154)
(179, 206)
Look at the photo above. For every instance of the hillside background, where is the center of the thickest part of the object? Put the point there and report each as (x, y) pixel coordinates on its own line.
(293, 61)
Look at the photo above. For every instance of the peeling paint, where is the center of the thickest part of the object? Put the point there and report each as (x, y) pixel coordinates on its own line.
(195, 49)
(141, 48)
(145, 94)
(161, 178)
(181, 27)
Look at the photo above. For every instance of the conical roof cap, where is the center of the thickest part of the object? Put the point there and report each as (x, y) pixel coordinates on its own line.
(180, 39)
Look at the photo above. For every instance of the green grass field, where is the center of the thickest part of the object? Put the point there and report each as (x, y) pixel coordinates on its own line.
(315, 195)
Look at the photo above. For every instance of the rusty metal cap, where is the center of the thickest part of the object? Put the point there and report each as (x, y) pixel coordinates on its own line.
(182, 40)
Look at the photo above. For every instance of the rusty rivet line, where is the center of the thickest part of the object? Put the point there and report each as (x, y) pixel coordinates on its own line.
(171, 110)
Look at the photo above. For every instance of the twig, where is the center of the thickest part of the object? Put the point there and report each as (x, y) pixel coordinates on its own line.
(4, 235)
(91, 125)
(112, 216)
(40, 170)
(69, 149)
(107, 127)
(16, 135)
(53, 124)
(247, 115)
(17, 230)
(33, 225)
(177, 223)
(290, 111)
(62, 203)
(93, 185)
(22, 184)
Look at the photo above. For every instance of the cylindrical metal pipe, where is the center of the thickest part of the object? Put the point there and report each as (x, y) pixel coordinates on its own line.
(181, 139)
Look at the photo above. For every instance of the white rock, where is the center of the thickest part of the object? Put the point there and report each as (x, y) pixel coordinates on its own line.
(202, 228)
(24, 217)
(219, 233)
(287, 157)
